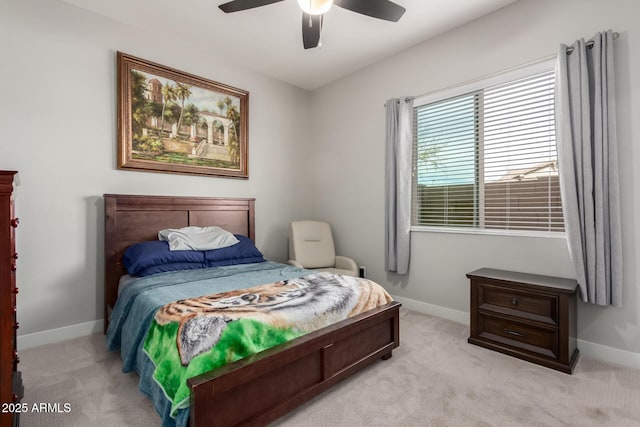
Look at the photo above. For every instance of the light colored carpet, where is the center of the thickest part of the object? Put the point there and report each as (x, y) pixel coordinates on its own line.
(435, 378)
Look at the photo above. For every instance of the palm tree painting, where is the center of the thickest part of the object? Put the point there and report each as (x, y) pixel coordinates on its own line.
(172, 121)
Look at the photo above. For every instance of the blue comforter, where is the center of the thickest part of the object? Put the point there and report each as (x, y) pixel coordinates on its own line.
(138, 302)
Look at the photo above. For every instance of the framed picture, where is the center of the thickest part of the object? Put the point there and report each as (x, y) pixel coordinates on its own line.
(172, 121)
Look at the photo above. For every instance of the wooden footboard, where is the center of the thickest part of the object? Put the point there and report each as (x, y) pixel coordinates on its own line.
(263, 387)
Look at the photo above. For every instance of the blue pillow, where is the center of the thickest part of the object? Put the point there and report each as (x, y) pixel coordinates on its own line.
(163, 268)
(244, 249)
(149, 254)
(143, 259)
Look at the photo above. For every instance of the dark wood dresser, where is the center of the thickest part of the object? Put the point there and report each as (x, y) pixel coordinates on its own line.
(527, 316)
(11, 390)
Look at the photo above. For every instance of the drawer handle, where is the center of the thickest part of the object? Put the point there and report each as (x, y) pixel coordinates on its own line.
(514, 301)
(15, 222)
(512, 332)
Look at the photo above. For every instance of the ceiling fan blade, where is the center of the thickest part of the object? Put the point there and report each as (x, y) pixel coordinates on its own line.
(238, 5)
(311, 26)
(381, 9)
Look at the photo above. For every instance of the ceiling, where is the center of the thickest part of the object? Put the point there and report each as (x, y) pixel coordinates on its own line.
(268, 39)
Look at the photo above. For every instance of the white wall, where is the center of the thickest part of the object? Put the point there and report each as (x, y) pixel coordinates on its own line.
(348, 120)
(58, 121)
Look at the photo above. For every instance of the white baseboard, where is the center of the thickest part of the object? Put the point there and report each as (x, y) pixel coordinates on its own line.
(434, 310)
(60, 334)
(601, 352)
(609, 354)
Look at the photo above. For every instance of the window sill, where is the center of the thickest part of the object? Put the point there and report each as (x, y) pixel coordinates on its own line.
(490, 232)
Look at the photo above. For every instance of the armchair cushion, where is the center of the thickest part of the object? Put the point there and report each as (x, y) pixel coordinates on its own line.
(311, 244)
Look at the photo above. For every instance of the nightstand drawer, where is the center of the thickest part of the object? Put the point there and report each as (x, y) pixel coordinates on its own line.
(528, 305)
(537, 340)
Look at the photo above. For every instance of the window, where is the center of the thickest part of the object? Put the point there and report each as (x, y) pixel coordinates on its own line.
(486, 158)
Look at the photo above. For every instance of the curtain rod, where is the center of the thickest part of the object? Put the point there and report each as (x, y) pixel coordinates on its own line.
(590, 43)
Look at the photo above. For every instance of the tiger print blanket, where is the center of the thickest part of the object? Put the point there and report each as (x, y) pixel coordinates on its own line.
(192, 336)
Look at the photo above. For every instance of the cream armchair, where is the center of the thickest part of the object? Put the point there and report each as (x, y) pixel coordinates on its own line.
(311, 246)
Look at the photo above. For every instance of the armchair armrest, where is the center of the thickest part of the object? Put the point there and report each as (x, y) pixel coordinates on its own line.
(346, 263)
(294, 263)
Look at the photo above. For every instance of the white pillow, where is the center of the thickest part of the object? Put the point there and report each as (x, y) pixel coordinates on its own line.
(197, 238)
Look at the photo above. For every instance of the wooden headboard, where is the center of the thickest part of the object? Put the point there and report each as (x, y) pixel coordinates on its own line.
(132, 219)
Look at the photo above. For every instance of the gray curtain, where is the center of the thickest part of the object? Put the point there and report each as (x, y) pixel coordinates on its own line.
(588, 165)
(399, 146)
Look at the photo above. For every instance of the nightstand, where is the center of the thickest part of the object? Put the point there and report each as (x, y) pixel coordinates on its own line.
(527, 316)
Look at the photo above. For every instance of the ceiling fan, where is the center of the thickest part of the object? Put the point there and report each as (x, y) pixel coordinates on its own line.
(314, 10)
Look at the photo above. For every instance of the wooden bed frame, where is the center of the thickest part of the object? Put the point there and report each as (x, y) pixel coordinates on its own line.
(267, 385)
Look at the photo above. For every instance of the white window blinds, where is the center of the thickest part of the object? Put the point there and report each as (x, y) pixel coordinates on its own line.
(487, 159)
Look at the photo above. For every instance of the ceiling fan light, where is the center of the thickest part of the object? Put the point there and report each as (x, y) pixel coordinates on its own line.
(315, 7)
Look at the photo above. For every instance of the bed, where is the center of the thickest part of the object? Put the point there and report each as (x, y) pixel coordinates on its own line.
(270, 383)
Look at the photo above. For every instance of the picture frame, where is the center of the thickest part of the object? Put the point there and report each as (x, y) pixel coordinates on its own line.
(175, 122)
